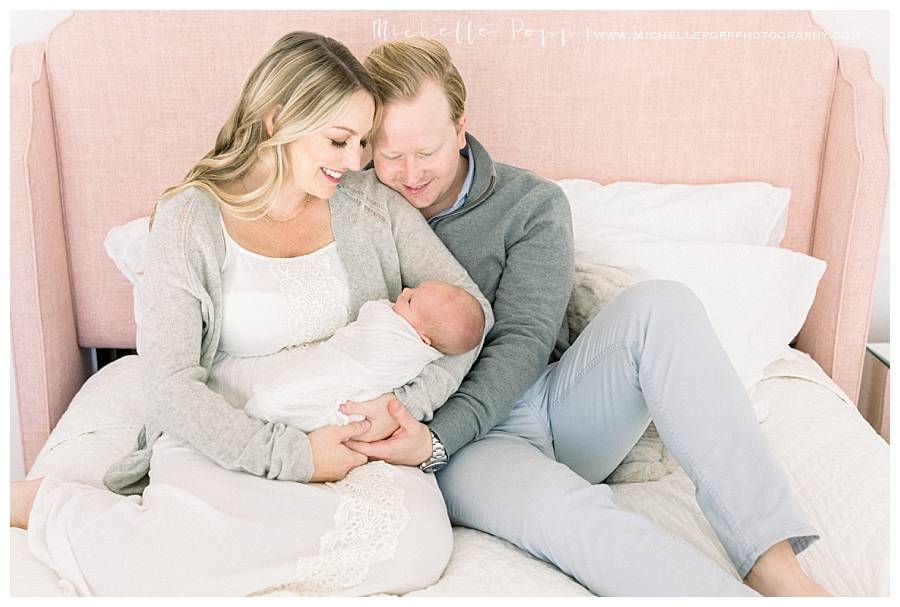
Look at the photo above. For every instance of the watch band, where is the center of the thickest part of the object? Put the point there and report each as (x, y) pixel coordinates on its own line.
(439, 457)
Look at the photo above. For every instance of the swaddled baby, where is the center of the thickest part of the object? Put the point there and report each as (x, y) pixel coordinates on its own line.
(384, 348)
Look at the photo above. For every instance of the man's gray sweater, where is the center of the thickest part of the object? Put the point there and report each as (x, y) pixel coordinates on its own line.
(514, 237)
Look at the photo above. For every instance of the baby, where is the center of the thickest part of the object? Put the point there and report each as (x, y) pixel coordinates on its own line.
(385, 347)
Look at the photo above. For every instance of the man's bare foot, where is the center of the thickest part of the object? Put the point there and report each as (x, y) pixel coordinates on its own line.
(21, 499)
(777, 573)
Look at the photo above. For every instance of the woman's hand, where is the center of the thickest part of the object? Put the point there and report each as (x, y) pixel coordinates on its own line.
(410, 445)
(376, 412)
(332, 459)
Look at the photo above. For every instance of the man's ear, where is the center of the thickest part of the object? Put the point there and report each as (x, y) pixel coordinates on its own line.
(270, 117)
(461, 130)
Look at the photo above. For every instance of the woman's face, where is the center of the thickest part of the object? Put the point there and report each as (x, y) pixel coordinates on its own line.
(319, 160)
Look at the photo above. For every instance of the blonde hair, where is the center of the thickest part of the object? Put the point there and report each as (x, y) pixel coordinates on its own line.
(400, 68)
(312, 77)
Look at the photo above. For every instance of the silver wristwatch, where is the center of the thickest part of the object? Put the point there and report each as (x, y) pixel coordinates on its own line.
(439, 457)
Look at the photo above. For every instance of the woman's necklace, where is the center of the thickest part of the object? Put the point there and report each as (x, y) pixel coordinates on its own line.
(290, 219)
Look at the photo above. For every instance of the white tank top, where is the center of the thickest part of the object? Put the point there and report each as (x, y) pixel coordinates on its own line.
(272, 303)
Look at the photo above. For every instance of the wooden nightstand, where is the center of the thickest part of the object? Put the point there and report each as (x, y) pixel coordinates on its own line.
(875, 391)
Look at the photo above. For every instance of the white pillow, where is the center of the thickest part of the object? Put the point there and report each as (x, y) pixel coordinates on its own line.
(126, 245)
(751, 212)
(756, 297)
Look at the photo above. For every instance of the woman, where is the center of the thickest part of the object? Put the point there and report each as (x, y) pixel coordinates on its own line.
(268, 244)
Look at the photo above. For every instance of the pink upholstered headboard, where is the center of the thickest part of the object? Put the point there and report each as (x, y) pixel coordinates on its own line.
(119, 105)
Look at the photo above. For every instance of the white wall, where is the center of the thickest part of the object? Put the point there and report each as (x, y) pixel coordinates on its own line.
(34, 26)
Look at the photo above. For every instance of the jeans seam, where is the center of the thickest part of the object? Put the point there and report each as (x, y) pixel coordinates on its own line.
(542, 419)
(589, 366)
(735, 528)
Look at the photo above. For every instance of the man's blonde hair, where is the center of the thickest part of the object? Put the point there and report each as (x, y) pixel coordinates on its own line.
(312, 77)
(400, 68)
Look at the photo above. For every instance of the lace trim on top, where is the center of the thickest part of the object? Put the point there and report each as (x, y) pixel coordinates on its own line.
(272, 303)
(311, 292)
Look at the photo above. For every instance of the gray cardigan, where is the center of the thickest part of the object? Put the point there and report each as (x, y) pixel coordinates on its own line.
(384, 244)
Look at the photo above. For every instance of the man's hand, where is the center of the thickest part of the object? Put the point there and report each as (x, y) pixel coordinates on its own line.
(410, 445)
(382, 425)
(332, 460)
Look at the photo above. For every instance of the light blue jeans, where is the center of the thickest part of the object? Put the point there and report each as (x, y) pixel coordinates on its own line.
(536, 478)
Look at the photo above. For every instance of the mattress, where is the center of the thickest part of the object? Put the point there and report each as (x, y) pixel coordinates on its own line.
(837, 463)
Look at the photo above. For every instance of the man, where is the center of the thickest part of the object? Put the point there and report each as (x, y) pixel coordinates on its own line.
(528, 444)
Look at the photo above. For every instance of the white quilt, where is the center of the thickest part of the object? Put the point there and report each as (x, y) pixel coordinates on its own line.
(838, 464)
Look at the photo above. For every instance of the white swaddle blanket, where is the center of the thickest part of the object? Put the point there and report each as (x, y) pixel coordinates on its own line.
(376, 353)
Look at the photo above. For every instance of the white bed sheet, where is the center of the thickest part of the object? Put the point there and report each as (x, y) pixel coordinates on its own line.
(838, 464)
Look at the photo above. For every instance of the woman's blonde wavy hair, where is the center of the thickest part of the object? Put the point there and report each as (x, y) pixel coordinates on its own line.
(313, 78)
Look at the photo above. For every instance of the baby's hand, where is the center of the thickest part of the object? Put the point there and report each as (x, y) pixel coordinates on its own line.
(376, 411)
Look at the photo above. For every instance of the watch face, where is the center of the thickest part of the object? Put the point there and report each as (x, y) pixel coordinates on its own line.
(433, 466)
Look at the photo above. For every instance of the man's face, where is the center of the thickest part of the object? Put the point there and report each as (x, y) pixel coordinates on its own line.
(416, 151)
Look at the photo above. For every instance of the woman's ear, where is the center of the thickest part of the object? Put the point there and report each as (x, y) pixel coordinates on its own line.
(270, 117)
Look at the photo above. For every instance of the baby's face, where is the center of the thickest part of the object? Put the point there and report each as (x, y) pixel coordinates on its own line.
(416, 305)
